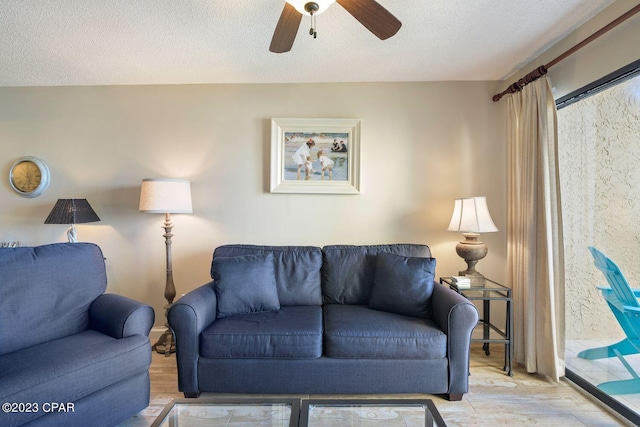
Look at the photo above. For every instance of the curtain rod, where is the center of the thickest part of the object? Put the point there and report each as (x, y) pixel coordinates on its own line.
(542, 69)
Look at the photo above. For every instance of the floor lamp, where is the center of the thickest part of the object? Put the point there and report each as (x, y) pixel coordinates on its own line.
(72, 211)
(167, 196)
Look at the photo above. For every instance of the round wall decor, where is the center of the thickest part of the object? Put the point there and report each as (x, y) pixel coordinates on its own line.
(29, 176)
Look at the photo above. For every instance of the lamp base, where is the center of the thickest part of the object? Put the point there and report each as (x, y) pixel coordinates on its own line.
(472, 251)
(165, 344)
(72, 234)
(477, 279)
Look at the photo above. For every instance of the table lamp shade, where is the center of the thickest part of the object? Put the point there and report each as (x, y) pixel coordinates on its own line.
(71, 211)
(165, 195)
(471, 215)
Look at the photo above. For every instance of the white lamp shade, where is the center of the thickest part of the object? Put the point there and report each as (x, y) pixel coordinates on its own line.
(165, 195)
(471, 215)
(322, 5)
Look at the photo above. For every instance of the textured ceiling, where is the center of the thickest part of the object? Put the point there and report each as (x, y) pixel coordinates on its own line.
(123, 42)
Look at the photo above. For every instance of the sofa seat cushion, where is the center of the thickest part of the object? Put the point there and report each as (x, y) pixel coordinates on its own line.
(70, 368)
(356, 331)
(293, 332)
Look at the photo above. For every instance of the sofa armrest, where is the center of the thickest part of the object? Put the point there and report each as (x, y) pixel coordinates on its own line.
(120, 317)
(457, 317)
(187, 318)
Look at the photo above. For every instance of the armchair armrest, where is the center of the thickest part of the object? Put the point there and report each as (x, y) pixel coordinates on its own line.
(120, 316)
(187, 318)
(457, 317)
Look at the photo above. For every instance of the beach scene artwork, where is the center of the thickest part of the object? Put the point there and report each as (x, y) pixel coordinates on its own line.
(315, 156)
(327, 159)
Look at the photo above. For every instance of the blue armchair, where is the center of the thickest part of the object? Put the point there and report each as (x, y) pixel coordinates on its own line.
(69, 354)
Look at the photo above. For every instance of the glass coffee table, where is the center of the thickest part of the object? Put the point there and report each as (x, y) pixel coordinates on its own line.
(299, 412)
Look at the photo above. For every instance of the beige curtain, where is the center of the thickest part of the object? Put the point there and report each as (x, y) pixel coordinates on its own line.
(535, 257)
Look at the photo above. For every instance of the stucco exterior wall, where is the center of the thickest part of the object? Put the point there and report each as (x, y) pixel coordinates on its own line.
(599, 153)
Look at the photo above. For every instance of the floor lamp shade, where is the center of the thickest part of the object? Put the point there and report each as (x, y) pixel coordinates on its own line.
(165, 195)
(471, 217)
(72, 211)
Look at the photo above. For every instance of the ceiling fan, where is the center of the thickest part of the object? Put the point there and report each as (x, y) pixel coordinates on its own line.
(369, 13)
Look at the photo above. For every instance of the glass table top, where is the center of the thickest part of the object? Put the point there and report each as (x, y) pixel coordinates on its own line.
(483, 289)
(370, 412)
(302, 412)
(230, 412)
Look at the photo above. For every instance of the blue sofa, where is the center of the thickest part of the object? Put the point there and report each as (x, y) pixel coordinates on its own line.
(70, 355)
(337, 320)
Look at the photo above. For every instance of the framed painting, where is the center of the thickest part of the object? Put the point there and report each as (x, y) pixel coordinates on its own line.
(315, 156)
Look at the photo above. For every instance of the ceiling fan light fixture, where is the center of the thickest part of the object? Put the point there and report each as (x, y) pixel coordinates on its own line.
(371, 14)
(301, 6)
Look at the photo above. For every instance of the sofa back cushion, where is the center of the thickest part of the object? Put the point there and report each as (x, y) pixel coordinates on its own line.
(297, 270)
(245, 284)
(403, 285)
(47, 291)
(348, 271)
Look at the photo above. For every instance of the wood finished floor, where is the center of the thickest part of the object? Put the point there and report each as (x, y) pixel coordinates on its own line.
(494, 398)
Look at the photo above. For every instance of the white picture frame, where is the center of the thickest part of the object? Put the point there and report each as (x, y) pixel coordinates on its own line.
(315, 156)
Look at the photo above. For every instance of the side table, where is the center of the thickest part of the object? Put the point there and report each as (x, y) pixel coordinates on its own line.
(490, 292)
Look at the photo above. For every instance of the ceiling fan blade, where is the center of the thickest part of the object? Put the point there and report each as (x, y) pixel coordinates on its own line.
(372, 15)
(286, 30)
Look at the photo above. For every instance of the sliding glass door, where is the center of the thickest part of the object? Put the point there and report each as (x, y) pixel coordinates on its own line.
(599, 153)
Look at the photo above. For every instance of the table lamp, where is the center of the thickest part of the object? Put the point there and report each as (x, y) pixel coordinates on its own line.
(471, 217)
(71, 211)
(167, 196)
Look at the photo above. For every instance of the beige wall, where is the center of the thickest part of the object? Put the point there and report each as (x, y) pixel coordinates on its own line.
(423, 144)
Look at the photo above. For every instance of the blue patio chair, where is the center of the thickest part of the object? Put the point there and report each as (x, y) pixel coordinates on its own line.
(623, 302)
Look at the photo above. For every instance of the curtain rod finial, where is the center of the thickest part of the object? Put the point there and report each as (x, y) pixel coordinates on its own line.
(517, 86)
